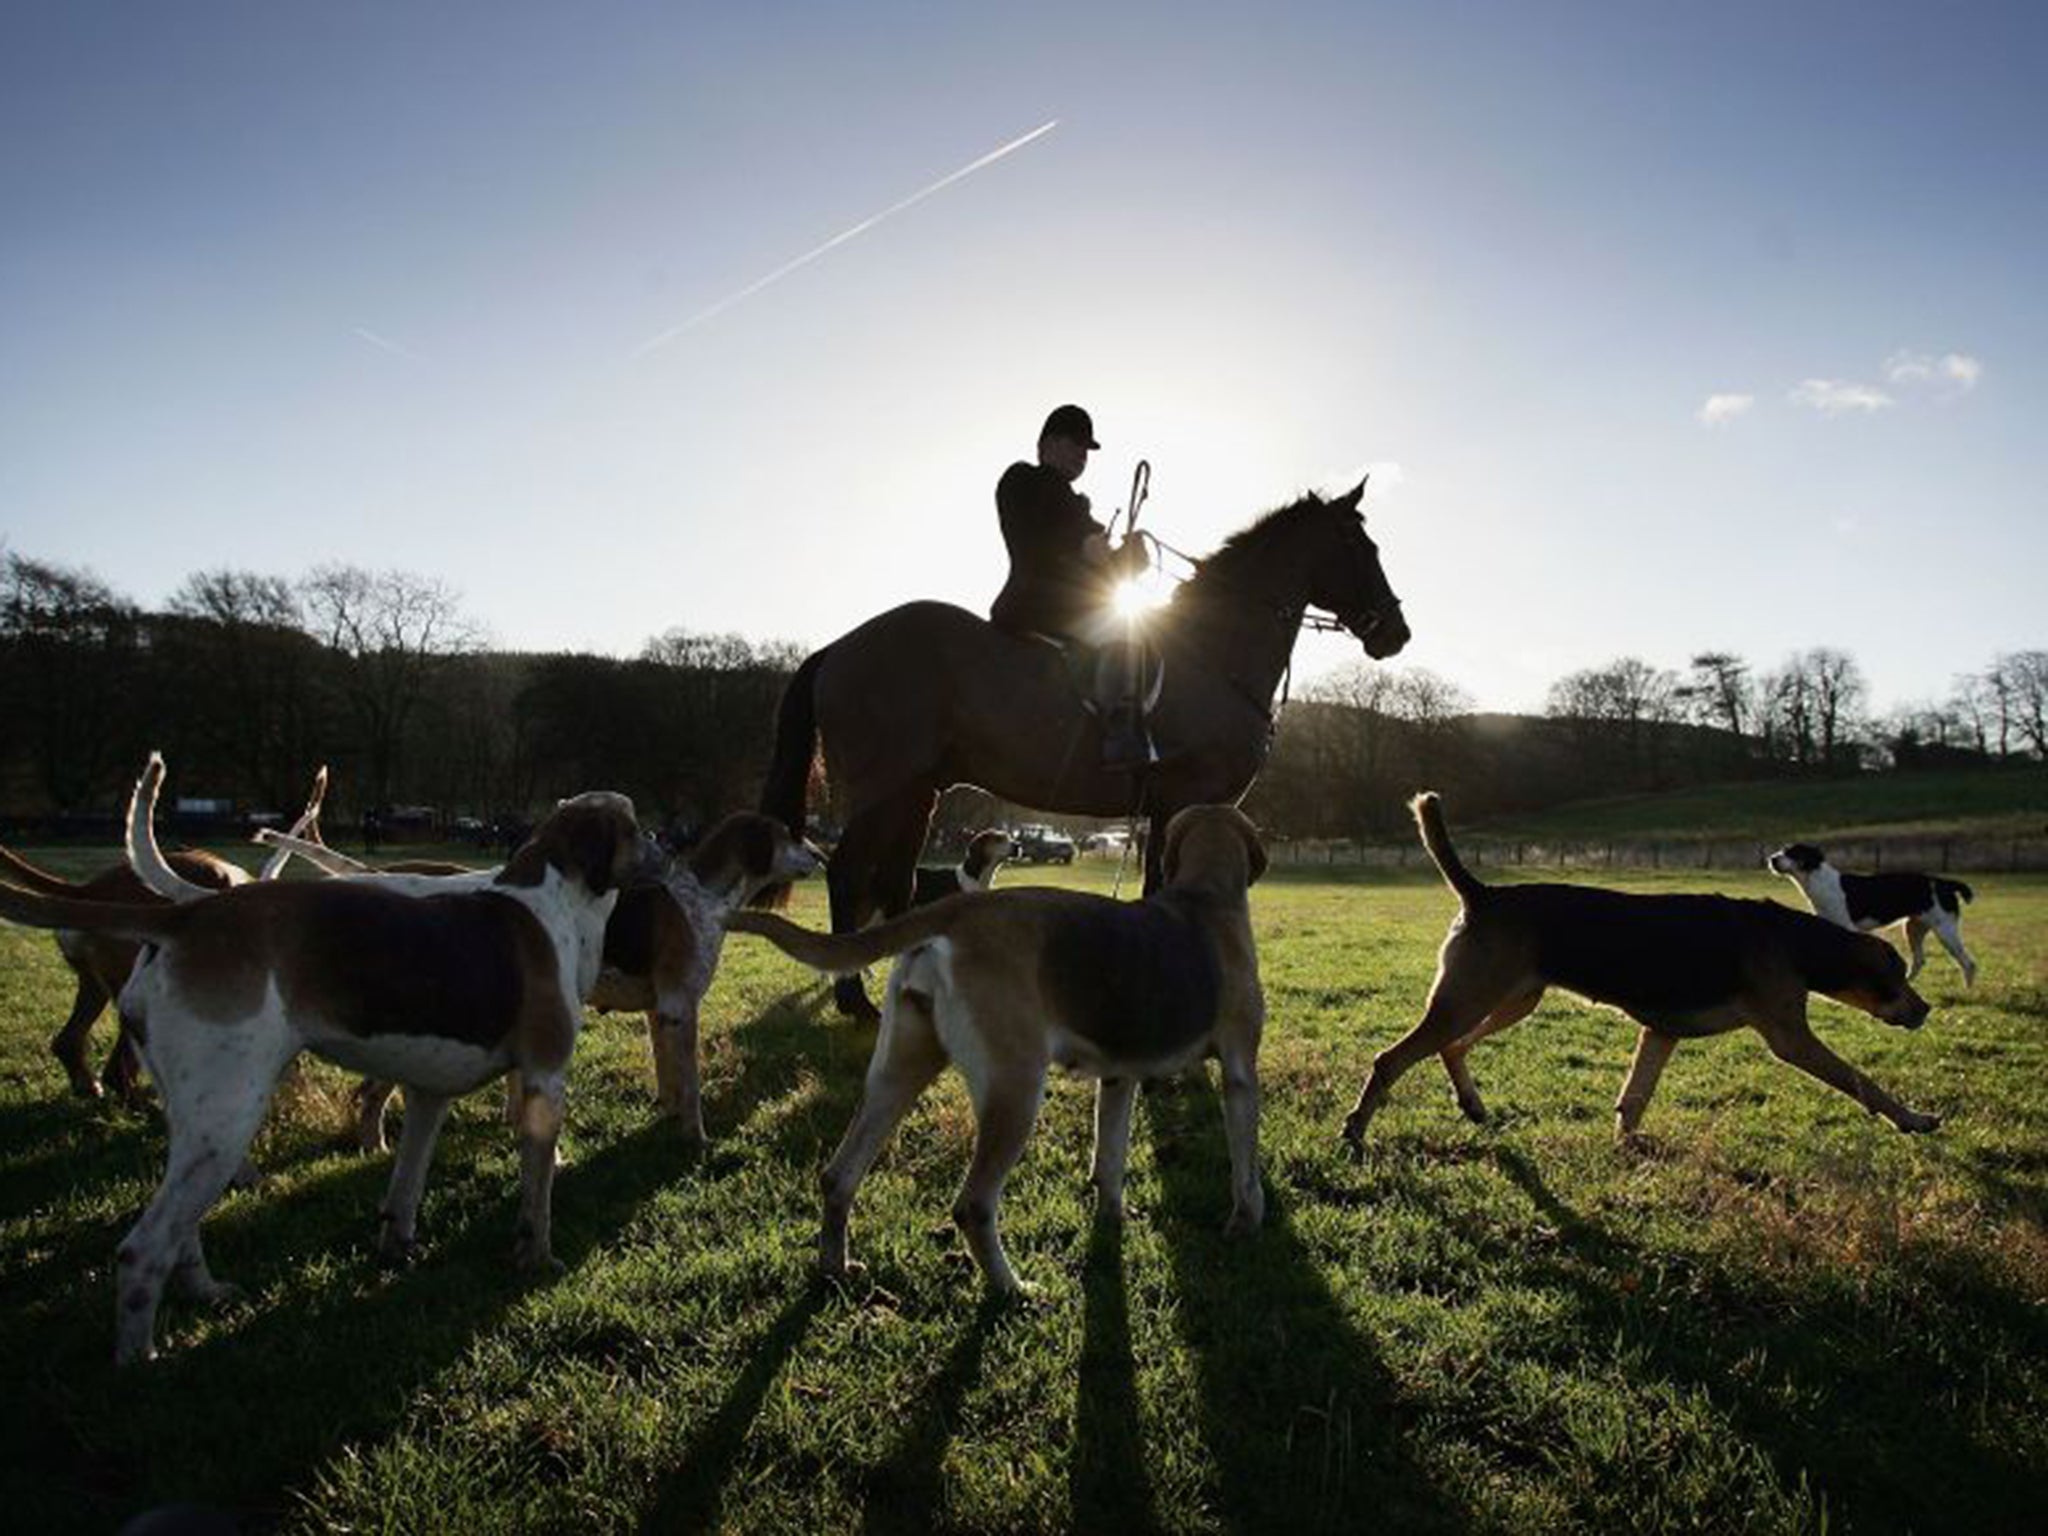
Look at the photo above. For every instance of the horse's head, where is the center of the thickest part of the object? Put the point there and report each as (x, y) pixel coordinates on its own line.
(1349, 582)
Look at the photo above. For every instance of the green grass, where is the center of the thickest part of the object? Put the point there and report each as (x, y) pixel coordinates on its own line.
(2001, 802)
(1778, 1315)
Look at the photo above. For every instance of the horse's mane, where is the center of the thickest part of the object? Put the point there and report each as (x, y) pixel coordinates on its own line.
(1239, 559)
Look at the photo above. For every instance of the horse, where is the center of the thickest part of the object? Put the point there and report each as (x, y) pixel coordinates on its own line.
(928, 695)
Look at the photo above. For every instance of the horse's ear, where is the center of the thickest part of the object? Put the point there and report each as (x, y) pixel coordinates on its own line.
(1351, 498)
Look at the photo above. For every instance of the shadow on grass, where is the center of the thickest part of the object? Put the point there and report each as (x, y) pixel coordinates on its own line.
(906, 1491)
(285, 1390)
(795, 1035)
(1107, 1484)
(1303, 1421)
(687, 1498)
(1870, 1406)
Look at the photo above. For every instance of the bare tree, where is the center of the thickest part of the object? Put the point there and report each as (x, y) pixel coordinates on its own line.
(2022, 690)
(1838, 695)
(387, 630)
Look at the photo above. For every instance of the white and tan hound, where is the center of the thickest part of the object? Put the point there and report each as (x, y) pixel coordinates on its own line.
(1007, 984)
(441, 991)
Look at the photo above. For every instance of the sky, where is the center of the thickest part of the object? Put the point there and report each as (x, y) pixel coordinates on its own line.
(1663, 327)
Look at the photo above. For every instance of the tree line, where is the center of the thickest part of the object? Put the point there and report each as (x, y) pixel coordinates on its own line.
(246, 681)
(1347, 755)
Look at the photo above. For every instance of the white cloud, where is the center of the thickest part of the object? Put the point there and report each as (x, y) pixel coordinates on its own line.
(1835, 397)
(1724, 408)
(1957, 369)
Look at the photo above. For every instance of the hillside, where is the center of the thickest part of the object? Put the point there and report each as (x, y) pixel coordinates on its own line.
(1991, 802)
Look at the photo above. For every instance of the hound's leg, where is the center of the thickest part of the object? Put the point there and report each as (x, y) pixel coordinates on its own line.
(677, 1082)
(68, 1044)
(215, 1081)
(1005, 1109)
(907, 1057)
(1241, 1129)
(121, 1077)
(1951, 938)
(1114, 1097)
(1793, 1042)
(372, 1098)
(1652, 1051)
(1505, 1016)
(1464, 994)
(541, 1110)
(1916, 941)
(425, 1113)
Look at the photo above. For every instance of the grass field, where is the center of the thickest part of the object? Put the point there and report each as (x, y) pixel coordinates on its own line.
(1778, 1314)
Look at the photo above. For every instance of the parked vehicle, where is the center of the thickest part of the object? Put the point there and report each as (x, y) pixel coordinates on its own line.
(1042, 845)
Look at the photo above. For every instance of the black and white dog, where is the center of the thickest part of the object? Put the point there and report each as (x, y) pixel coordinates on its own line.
(1923, 903)
(976, 871)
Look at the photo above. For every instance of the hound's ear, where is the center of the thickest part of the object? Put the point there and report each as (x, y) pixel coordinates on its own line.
(1169, 861)
(1254, 851)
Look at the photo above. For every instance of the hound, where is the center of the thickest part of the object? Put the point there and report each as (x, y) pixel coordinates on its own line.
(661, 951)
(1924, 903)
(976, 871)
(1006, 984)
(440, 991)
(101, 963)
(1681, 966)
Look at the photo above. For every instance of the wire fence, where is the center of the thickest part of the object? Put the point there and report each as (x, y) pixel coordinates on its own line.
(1931, 853)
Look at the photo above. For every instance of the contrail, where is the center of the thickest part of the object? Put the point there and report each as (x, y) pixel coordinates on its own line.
(841, 238)
(386, 343)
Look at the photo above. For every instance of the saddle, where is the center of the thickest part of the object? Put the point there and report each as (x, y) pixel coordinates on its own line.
(1081, 658)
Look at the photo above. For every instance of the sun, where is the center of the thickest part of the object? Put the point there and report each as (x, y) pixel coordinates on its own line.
(1136, 598)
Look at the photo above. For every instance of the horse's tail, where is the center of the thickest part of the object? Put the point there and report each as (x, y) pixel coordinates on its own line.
(784, 794)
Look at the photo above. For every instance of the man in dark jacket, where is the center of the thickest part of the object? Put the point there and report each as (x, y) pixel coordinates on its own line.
(1063, 572)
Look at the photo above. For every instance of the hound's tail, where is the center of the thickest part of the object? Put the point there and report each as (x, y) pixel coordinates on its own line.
(1429, 819)
(844, 953)
(141, 924)
(144, 856)
(15, 870)
(1956, 886)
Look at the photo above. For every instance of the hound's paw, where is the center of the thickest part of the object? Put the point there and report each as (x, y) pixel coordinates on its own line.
(1018, 1295)
(1243, 1223)
(1918, 1124)
(842, 1274)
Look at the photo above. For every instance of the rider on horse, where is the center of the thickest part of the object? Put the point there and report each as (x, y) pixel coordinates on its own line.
(1063, 572)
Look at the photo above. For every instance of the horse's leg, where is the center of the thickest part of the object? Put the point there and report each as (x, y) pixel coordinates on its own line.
(850, 882)
(873, 872)
(1155, 849)
(910, 823)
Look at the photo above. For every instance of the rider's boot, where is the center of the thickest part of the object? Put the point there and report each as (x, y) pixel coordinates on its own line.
(1125, 748)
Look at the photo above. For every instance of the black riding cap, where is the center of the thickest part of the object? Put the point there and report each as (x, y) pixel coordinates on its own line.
(1069, 421)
